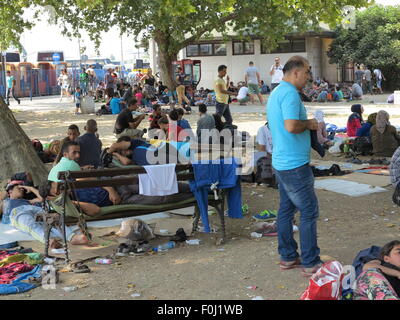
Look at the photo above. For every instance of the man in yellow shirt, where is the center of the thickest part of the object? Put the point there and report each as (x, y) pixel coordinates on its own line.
(222, 95)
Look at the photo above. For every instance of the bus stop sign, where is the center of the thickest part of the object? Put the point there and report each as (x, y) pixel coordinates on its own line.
(56, 58)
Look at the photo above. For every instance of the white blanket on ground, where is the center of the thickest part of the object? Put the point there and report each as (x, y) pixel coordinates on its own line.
(160, 180)
(9, 234)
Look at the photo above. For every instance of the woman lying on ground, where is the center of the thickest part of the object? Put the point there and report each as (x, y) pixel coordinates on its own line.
(380, 279)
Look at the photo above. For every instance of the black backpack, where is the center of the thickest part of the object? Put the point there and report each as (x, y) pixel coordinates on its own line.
(362, 145)
(264, 172)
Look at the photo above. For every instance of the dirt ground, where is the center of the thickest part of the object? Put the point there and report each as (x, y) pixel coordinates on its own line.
(346, 225)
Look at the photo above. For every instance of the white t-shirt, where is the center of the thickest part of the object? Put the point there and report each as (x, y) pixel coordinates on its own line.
(278, 74)
(264, 138)
(378, 74)
(251, 73)
(243, 92)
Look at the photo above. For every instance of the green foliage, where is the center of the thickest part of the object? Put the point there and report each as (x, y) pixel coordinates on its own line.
(375, 42)
(173, 24)
(12, 23)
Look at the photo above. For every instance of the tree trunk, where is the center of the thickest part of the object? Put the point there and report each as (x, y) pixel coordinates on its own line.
(165, 58)
(16, 151)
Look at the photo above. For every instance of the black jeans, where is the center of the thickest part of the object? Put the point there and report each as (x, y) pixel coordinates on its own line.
(224, 111)
(10, 91)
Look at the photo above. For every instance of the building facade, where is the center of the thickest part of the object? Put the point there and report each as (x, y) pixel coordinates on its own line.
(237, 54)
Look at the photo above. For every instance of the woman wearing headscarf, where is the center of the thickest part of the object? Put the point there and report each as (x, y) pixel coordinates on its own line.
(364, 131)
(321, 132)
(384, 137)
(355, 120)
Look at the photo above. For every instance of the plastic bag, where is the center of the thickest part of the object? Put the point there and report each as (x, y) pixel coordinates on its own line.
(325, 284)
(336, 147)
(87, 105)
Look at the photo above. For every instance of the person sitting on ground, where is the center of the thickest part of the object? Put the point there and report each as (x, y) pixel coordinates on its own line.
(183, 123)
(264, 89)
(100, 91)
(384, 137)
(323, 95)
(232, 87)
(115, 103)
(72, 135)
(21, 214)
(355, 120)
(365, 129)
(163, 132)
(339, 92)
(128, 95)
(356, 92)
(321, 132)
(101, 197)
(90, 146)
(139, 96)
(380, 279)
(176, 132)
(205, 122)
(155, 116)
(126, 124)
(243, 96)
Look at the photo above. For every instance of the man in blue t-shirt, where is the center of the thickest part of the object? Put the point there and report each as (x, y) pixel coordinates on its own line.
(10, 82)
(290, 129)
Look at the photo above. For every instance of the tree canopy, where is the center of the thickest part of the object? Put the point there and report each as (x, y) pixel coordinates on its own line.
(375, 41)
(173, 24)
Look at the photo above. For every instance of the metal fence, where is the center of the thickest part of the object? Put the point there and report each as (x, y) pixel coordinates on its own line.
(31, 81)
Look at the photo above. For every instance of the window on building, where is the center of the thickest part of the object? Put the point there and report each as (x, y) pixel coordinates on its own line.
(287, 46)
(243, 47)
(220, 49)
(192, 50)
(206, 49)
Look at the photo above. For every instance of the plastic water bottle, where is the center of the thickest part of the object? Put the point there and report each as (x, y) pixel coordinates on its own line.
(103, 261)
(165, 246)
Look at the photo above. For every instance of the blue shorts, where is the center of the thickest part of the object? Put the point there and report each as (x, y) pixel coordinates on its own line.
(97, 196)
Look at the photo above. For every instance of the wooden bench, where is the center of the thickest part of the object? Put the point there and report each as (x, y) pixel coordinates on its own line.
(104, 178)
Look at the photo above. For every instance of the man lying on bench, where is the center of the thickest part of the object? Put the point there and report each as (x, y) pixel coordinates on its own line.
(138, 152)
(22, 215)
(90, 199)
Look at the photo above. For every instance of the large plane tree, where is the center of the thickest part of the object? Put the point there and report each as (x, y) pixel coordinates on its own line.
(173, 24)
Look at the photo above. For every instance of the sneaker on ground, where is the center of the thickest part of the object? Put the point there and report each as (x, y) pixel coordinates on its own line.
(269, 230)
(288, 265)
(266, 215)
(308, 272)
(122, 250)
(140, 249)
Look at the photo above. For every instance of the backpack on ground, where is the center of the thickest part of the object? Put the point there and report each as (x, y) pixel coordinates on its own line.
(264, 171)
(362, 145)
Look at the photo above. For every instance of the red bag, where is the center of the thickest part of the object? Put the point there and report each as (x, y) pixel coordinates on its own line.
(326, 283)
